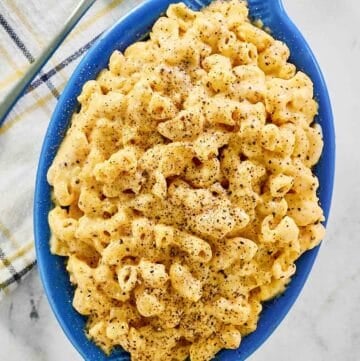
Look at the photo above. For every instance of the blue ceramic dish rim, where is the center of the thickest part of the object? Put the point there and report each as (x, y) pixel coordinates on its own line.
(67, 105)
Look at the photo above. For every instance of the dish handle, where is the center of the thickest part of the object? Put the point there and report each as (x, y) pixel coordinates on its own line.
(266, 9)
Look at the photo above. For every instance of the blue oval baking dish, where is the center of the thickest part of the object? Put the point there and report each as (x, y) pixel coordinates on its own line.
(126, 31)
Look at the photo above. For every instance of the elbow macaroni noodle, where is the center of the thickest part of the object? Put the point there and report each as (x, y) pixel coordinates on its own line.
(183, 189)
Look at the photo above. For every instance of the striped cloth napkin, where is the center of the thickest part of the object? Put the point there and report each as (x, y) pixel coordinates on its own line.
(25, 27)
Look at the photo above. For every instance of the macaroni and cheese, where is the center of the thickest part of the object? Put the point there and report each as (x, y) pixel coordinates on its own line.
(183, 189)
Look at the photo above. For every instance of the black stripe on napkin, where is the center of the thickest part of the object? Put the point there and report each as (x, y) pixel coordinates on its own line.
(61, 65)
(15, 275)
(25, 51)
(18, 276)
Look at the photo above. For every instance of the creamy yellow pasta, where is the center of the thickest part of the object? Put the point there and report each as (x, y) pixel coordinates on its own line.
(183, 189)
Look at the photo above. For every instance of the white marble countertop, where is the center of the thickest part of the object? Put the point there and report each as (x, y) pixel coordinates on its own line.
(324, 324)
